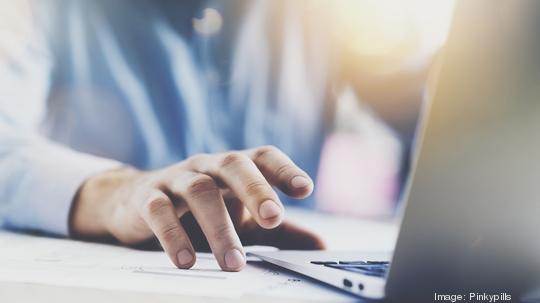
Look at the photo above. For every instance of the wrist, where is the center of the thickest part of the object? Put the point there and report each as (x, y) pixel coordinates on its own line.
(95, 202)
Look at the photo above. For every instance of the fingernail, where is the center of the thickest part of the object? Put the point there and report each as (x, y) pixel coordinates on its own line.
(184, 257)
(269, 209)
(300, 182)
(234, 259)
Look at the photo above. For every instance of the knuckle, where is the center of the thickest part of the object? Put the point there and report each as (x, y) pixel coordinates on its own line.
(201, 184)
(256, 188)
(233, 158)
(265, 150)
(223, 232)
(198, 158)
(170, 233)
(156, 206)
(283, 170)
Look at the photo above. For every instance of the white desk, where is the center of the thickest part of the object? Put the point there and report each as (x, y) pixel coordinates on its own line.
(346, 233)
(339, 233)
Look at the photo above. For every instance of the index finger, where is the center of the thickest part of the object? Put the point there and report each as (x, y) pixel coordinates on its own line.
(238, 172)
(160, 215)
(281, 171)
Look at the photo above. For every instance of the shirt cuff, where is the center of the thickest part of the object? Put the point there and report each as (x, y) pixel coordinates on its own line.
(52, 176)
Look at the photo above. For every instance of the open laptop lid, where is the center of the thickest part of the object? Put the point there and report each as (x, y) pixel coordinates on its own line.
(472, 221)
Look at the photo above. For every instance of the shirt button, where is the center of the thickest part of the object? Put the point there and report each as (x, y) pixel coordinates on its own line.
(210, 23)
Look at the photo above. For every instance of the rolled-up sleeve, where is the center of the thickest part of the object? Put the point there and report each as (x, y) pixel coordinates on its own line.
(38, 178)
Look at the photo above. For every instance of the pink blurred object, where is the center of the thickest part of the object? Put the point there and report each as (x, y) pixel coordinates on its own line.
(358, 175)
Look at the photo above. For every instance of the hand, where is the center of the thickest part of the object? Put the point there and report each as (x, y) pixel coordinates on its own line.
(229, 196)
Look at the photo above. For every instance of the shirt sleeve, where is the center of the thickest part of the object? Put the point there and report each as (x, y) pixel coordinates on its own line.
(38, 178)
(38, 181)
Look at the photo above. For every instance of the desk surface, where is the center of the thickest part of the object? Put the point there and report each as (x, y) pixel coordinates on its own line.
(338, 233)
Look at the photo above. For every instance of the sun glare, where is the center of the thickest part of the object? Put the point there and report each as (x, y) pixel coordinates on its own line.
(378, 27)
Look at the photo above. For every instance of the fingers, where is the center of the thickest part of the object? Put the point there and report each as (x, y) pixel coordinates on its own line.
(196, 186)
(204, 200)
(281, 171)
(160, 215)
(250, 175)
(242, 176)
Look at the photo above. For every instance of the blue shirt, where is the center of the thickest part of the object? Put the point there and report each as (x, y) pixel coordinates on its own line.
(99, 84)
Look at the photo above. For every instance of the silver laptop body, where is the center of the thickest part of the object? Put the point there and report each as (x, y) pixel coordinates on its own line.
(472, 219)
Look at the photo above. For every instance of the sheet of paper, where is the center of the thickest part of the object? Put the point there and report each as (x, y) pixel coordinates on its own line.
(61, 262)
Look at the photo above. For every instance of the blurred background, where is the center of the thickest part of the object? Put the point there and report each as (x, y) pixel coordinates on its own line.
(390, 50)
(338, 85)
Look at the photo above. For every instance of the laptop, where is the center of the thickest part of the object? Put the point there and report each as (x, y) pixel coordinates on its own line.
(471, 225)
